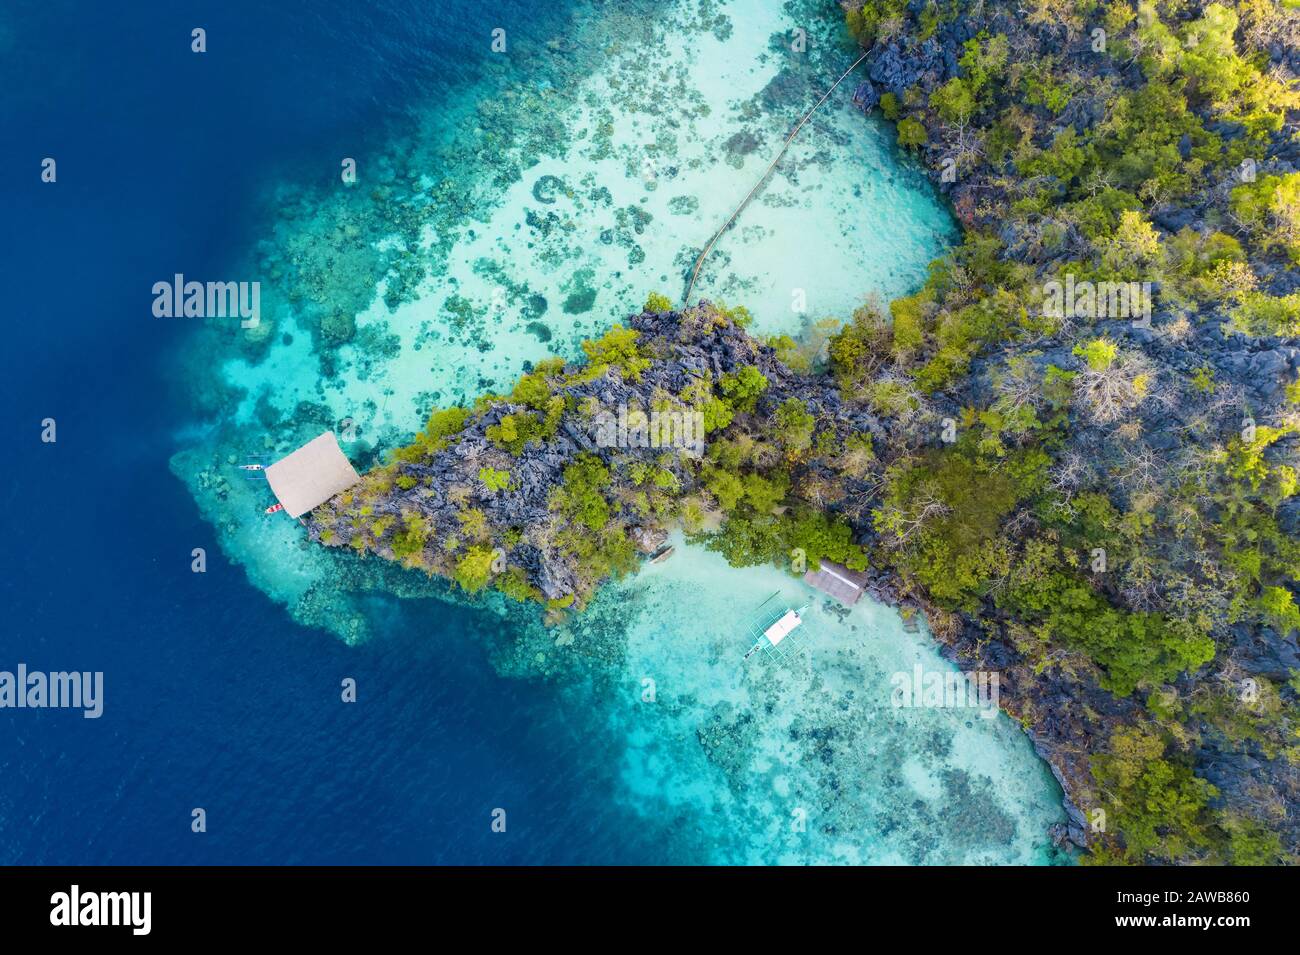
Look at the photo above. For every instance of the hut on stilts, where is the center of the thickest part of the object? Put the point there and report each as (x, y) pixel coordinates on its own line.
(311, 475)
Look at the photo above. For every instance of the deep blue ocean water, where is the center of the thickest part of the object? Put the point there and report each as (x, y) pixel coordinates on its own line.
(213, 697)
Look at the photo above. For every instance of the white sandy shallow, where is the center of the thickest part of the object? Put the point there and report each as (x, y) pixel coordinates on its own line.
(821, 766)
(646, 163)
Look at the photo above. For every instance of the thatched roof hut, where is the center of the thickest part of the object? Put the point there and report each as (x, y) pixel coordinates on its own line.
(311, 475)
(843, 584)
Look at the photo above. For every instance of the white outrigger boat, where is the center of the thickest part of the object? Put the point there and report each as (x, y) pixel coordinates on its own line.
(777, 630)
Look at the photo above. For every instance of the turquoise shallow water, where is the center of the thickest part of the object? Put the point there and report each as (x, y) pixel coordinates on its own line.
(809, 760)
(505, 220)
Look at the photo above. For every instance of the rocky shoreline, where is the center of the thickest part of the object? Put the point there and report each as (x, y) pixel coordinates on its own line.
(988, 119)
(1097, 504)
(697, 345)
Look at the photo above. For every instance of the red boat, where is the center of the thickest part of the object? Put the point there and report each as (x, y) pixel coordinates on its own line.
(273, 508)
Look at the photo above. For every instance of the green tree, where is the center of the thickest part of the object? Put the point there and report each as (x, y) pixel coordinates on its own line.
(493, 479)
(911, 133)
(617, 347)
(743, 387)
(474, 569)
(657, 303)
(794, 423)
(1158, 807)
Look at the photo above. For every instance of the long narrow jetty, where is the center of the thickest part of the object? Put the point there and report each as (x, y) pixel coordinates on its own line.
(695, 273)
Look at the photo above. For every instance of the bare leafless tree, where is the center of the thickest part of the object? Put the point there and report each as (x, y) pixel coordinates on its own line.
(1142, 469)
(1108, 393)
(901, 524)
(1071, 473)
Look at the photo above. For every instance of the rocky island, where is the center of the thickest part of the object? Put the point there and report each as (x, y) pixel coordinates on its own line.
(1074, 449)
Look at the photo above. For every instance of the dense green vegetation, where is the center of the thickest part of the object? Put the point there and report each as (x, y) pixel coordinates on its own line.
(1130, 568)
